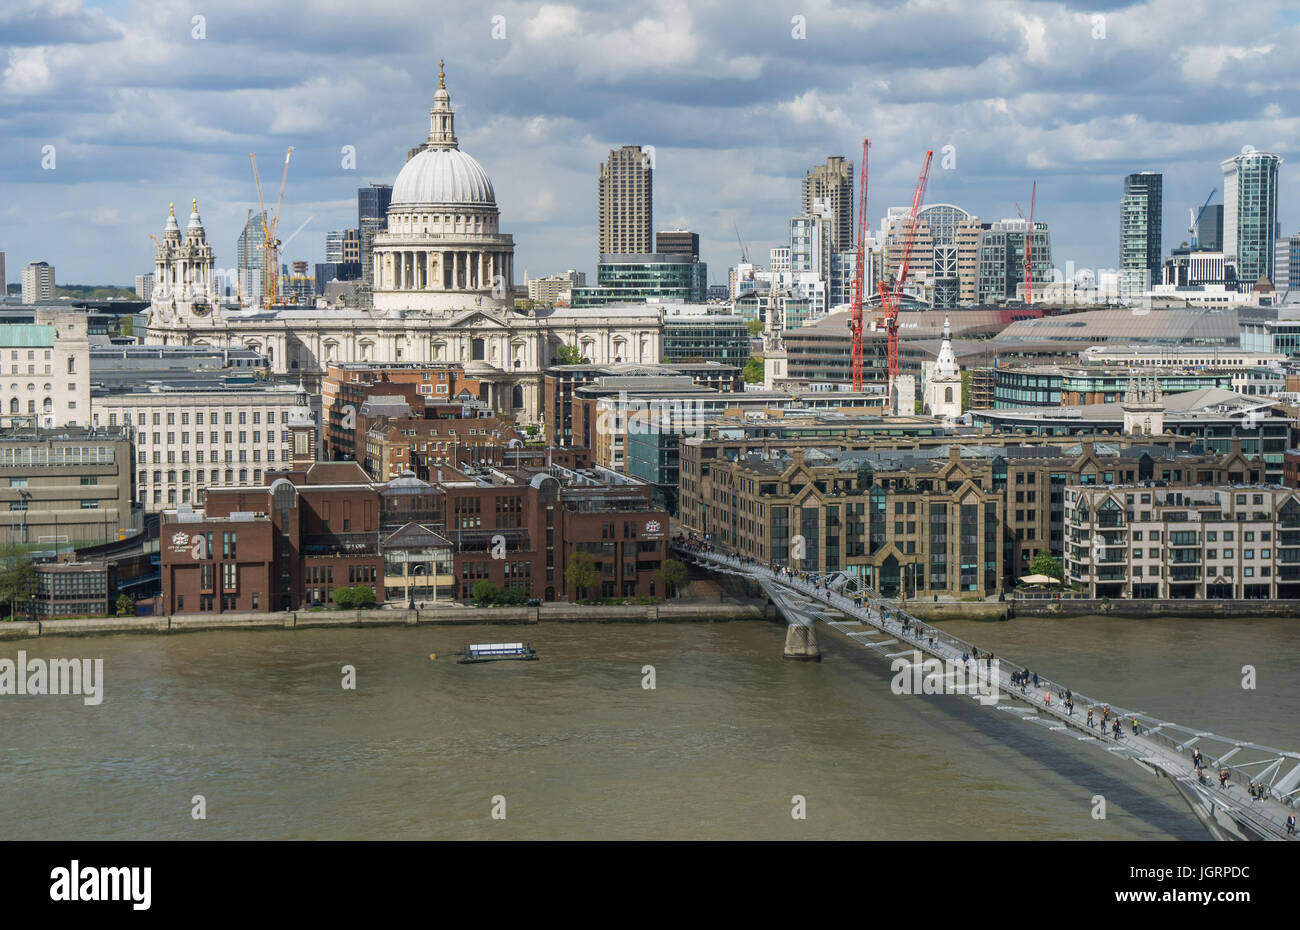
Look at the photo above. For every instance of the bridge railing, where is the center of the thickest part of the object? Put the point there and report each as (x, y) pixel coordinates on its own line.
(1279, 769)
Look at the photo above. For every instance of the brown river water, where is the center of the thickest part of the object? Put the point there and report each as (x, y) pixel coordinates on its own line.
(260, 726)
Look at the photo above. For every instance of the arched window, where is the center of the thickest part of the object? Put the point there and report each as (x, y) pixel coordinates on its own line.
(947, 395)
(47, 406)
(13, 405)
(517, 397)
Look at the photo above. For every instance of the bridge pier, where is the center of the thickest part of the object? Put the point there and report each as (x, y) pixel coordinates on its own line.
(801, 643)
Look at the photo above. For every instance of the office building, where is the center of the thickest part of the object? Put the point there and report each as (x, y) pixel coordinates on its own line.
(1286, 264)
(327, 272)
(250, 258)
(334, 245)
(1250, 213)
(189, 438)
(678, 242)
(372, 219)
(45, 370)
(1209, 229)
(692, 333)
(1001, 270)
(639, 278)
(1140, 252)
(66, 487)
(144, 286)
(831, 186)
(547, 291)
(38, 282)
(625, 197)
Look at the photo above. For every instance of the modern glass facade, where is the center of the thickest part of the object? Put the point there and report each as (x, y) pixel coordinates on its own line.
(711, 338)
(1002, 259)
(1250, 213)
(1140, 233)
(636, 278)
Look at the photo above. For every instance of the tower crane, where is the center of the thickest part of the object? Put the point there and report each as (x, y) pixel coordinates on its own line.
(270, 244)
(1029, 244)
(890, 296)
(1194, 227)
(744, 252)
(859, 273)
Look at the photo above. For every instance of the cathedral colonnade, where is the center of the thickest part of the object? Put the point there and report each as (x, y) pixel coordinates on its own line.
(441, 269)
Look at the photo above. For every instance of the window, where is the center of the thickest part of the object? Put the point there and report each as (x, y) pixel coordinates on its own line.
(89, 505)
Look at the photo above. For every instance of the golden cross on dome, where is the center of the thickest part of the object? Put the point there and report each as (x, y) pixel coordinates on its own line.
(195, 203)
(442, 76)
(171, 208)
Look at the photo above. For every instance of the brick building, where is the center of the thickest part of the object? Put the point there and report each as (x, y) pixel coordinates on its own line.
(293, 543)
(960, 519)
(346, 387)
(279, 547)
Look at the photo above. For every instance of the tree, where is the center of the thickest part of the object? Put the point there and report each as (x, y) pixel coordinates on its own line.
(569, 355)
(672, 575)
(357, 597)
(581, 574)
(753, 372)
(17, 577)
(125, 606)
(965, 389)
(754, 326)
(485, 593)
(1045, 564)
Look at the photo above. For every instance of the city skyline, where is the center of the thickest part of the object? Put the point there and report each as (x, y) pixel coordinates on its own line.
(736, 109)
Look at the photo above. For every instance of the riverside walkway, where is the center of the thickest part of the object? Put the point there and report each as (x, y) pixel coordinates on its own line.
(1227, 810)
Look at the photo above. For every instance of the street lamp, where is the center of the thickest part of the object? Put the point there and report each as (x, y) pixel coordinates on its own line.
(410, 597)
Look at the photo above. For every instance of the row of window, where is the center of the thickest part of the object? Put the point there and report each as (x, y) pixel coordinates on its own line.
(140, 417)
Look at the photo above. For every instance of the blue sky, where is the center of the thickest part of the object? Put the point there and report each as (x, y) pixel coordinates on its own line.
(140, 112)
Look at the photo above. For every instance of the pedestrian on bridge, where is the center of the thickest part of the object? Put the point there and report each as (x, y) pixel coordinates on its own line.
(1035, 679)
(1196, 758)
(1135, 725)
(1090, 718)
(1290, 824)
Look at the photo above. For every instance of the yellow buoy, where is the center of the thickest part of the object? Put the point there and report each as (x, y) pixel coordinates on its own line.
(433, 655)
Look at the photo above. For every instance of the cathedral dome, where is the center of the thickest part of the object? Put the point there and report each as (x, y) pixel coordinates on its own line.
(443, 176)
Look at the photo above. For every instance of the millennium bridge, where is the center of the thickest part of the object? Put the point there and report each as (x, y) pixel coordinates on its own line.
(842, 602)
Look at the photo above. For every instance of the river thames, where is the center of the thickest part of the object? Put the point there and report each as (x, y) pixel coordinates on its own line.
(575, 747)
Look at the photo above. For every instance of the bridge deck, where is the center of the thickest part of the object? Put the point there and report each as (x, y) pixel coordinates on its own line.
(1159, 744)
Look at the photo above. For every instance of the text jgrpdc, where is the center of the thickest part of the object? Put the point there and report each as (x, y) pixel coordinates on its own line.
(931, 676)
(53, 676)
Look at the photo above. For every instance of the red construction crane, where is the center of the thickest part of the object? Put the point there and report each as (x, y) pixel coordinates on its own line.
(890, 297)
(859, 273)
(1029, 245)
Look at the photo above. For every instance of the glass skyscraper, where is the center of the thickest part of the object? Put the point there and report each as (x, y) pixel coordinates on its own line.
(1139, 233)
(1250, 213)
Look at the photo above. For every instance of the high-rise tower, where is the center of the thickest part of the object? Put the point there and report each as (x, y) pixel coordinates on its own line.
(1139, 233)
(832, 185)
(625, 192)
(1250, 213)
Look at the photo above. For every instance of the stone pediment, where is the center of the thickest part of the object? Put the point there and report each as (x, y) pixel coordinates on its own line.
(474, 319)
